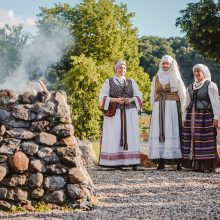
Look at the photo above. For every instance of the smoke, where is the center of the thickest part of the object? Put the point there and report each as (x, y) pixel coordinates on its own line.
(36, 57)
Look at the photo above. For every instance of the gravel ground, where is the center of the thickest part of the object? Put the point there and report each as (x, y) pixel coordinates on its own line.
(146, 194)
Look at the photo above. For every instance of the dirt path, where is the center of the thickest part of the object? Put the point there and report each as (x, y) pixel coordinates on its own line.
(148, 194)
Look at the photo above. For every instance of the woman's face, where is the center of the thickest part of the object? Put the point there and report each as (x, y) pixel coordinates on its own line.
(199, 75)
(165, 66)
(121, 70)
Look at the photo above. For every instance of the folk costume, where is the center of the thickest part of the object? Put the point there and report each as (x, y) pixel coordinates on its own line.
(120, 145)
(199, 135)
(168, 95)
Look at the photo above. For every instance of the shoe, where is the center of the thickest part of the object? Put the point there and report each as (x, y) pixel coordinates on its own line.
(160, 166)
(135, 168)
(178, 167)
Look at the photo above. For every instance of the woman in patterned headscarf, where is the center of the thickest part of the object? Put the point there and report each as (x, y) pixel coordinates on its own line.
(200, 122)
(120, 145)
(167, 99)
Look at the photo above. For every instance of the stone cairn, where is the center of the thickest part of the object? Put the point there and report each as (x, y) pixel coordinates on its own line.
(39, 157)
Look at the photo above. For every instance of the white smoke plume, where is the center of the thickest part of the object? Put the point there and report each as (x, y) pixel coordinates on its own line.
(42, 52)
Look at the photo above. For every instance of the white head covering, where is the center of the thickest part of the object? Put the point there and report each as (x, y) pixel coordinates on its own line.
(118, 63)
(204, 69)
(171, 76)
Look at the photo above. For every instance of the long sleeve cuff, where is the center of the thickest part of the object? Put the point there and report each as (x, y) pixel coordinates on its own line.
(138, 102)
(105, 102)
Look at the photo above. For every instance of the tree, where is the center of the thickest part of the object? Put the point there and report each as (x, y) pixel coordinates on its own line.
(152, 49)
(10, 47)
(201, 23)
(82, 85)
(103, 33)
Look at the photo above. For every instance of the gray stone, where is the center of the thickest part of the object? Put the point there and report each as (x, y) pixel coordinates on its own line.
(4, 115)
(57, 197)
(3, 158)
(5, 206)
(56, 169)
(17, 195)
(63, 130)
(38, 126)
(3, 171)
(72, 161)
(46, 109)
(46, 138)
(75, 192)
(17, 180)
(77, 175)
(69, 151)
(18, 123)
(9, 146)
(35, 180)
(11, 142)
(20, 133)
(7, 150)
(37, 193)
(88, 153)
(37, 166)
(3, 193)
(29, 148)
(23, 112)
(63, 110)
(52, 183)
(44, 152)
(2, 130)
(53, 158)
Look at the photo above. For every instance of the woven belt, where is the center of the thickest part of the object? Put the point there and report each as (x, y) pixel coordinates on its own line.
(169, 96)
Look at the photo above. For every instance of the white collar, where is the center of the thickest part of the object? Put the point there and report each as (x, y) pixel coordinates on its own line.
(198, 85)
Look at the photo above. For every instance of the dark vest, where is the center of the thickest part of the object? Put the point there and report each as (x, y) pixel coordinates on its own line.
(200, 97)
(125, 91)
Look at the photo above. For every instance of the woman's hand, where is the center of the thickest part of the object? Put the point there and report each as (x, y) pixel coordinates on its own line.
(127, 100)
(215, 123)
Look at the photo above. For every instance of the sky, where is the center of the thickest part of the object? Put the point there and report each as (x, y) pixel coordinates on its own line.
(152, 17)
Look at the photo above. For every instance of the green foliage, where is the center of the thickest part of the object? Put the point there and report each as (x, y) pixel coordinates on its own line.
(10, 48)
(103, 33)
(41, 207)
(82, 85)
(201, 23)
(152, 49)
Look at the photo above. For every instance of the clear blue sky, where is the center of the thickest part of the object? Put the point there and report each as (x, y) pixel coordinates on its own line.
(152, 17)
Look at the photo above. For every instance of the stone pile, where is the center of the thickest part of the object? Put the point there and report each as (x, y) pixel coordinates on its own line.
(39, 157)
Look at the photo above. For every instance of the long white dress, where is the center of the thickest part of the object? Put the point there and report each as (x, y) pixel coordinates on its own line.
(170, 148)
(112, 154)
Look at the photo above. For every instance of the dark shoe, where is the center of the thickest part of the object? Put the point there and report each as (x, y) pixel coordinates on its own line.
(178, 167)
(160, 166)
(135, 168)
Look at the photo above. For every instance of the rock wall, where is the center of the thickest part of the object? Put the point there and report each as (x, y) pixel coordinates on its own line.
(39, 157)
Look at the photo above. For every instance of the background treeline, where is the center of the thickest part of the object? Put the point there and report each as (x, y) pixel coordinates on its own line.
(154, 47)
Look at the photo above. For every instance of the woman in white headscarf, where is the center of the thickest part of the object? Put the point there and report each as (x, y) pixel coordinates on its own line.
(200, 122)
(120, 145)
(168, 96)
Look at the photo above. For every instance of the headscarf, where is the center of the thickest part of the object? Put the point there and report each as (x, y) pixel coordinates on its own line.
(204, 69)
(118, 63)
(206, 73)
(171, 76)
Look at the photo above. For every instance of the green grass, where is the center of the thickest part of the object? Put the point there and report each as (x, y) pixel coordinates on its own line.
(96, 147)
